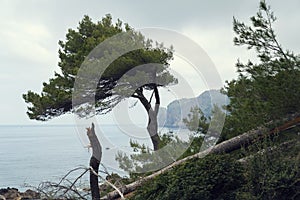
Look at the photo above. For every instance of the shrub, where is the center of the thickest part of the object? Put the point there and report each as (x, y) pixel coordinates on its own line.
(212, 177)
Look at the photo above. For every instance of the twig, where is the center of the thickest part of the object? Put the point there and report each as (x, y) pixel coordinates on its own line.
(65, 176)
(52, 190)
(76, 180)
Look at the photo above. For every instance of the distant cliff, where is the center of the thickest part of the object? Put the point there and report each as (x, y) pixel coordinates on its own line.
(179, 109)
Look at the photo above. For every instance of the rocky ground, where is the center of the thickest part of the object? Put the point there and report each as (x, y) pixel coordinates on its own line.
(15, 194)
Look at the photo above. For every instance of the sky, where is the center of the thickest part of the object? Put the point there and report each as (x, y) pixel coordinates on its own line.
(30, 31)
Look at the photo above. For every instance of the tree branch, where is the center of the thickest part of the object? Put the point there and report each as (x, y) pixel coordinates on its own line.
(52, 190)
(274, 37)
(142, 99)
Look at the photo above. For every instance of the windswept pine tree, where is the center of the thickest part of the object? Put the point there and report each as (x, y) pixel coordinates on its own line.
(145, 68)
(267, 90)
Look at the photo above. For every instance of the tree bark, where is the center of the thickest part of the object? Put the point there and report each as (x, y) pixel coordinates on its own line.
(154, 134)
(94, 184)
(94, 162)
(224, 147)
(152, 129)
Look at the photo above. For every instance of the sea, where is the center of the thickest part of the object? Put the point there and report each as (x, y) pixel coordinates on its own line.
(32, 154)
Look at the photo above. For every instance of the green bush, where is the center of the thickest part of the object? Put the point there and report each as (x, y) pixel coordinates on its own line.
(273, 173)
(212, 177)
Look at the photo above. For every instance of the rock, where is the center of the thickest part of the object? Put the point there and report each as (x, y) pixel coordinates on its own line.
(30, 194)
(162, 116)
(14, 194)
(3, 191)
(179, 109)
(10, 193)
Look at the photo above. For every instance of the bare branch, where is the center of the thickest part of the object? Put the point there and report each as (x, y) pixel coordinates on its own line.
(112, 185)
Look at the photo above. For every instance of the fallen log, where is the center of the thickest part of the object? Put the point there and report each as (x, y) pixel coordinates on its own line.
(227, 146)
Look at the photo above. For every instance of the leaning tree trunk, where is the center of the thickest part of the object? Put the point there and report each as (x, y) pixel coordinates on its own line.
(224, 147)
(94, 162)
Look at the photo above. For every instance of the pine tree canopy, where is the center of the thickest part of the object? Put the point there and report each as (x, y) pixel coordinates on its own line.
(117, 80)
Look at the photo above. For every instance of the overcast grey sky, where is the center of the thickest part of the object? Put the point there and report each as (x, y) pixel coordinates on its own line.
(30, 30)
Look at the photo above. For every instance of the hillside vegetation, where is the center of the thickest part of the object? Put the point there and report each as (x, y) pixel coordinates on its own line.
(264, 99)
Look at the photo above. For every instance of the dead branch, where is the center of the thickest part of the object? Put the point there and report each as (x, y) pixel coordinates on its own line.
(62, 189)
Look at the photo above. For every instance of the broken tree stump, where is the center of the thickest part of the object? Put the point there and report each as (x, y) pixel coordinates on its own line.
(94, 162)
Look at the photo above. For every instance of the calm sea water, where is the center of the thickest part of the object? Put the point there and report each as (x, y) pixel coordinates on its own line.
(31, 154)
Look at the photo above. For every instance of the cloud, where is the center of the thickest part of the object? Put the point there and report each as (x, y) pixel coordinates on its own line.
(30, 30)
(27, 41)
(218, 44)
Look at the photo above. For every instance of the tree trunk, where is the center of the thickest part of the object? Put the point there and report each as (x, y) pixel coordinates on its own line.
(155, 141)
(94, 162)
(152, 127)
(224, 147)
(94, 184)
